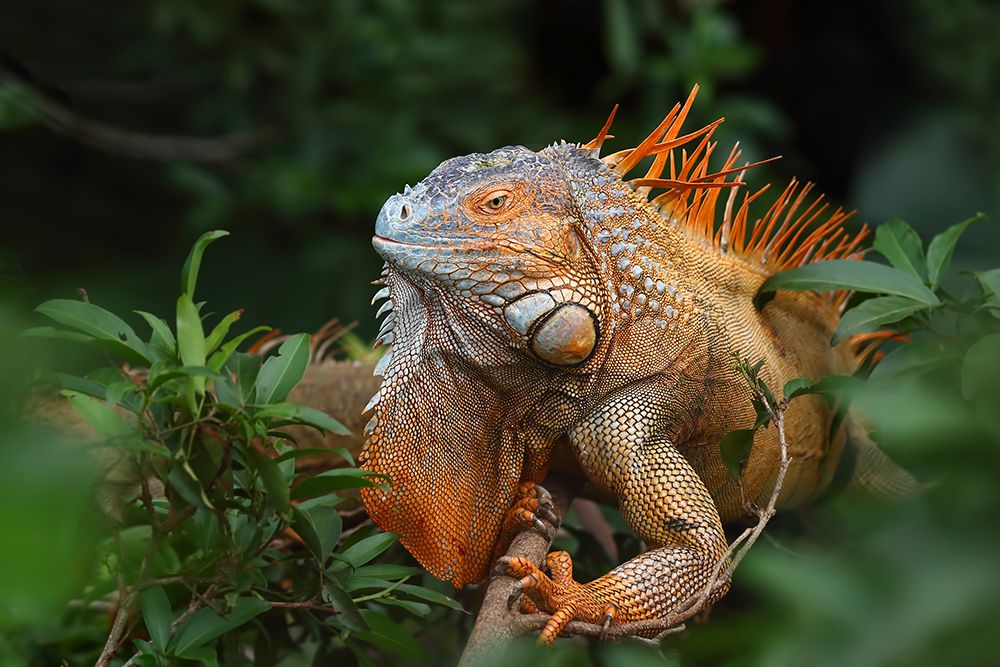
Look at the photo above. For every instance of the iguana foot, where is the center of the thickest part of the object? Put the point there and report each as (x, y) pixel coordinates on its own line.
(557, 594)
(531, 509)
(648, 587)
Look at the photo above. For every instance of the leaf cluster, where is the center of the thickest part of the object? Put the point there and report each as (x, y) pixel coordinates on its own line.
(219, 546)
(935, 330)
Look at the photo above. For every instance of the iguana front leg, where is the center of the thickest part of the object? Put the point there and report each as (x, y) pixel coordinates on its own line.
(662, 499)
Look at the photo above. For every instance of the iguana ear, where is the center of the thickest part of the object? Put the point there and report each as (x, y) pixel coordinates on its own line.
(452, 472)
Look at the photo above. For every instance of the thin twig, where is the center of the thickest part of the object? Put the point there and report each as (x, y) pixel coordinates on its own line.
(129, 143)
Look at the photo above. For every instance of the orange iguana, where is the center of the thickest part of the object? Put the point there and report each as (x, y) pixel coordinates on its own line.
(538, 300)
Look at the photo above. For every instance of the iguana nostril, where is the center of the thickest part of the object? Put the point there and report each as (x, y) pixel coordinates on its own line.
(405, 213)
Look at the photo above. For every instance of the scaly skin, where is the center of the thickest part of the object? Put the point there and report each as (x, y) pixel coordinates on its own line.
(537, 298)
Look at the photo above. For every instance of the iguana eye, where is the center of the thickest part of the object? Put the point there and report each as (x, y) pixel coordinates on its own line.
(495, 201)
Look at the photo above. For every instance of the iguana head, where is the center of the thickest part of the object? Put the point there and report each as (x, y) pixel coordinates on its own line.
(498, 238)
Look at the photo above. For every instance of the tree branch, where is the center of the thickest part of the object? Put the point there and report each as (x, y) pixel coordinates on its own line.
(497, 625)
(127, 142)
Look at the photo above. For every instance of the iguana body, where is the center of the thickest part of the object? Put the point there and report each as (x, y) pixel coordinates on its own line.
(538, 300)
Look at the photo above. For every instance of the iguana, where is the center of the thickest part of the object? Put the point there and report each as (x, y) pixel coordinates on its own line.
(543, 300)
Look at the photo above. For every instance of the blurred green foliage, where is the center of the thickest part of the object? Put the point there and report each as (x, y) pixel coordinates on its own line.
(205, 524)
(890, 106)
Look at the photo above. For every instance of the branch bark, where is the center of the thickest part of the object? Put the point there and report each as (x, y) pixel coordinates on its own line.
(497, 625)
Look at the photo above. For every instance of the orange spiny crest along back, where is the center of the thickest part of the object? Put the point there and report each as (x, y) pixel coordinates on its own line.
(786, 236)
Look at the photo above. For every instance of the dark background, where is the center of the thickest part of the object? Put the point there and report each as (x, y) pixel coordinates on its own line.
(890, 106)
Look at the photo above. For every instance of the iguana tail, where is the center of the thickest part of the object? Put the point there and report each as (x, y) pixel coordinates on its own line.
(865, 467)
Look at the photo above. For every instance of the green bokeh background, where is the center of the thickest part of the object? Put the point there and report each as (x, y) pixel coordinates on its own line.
(890, 106)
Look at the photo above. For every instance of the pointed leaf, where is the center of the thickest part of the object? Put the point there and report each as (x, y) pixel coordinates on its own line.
(99, 415)
(386, 634)
(941, 248)
(335, 480)
(735, 449)
(190, 337)
(845, 274)
(282, 372)
(157, 616)
(189, 273)
(302, 414)
(52, 332)
(981, 368)
(274, 482)
(430, 596)
(911, 360)
(796, 387)
(97, 322)
(214, 339)
(205, 624)
(901, 245)
(349, 616)
(990, 282)
(871, 314)
(162, 335)
(365, 550)
(320, 528)
(220, 357)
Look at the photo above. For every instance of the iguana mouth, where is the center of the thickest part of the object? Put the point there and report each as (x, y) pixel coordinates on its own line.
(448, 247)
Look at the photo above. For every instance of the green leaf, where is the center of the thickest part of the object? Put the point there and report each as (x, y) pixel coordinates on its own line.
(430, 596)
(846, 274)
(735, 448)
(219, 358)
(386, 571)
(282, 372)
(365, 550)
(183, 480)
(911, 360)
(205, 656)
(162, 335)
(335, 480)
(990, 281)
(349, 616)
(873, 313)
(317, 451)
(981, 368)
(302, 414)
(99, 415)
(190, 337)
(320, 528)
(189, 273)
(418, 609)
(52, 332)
(796, 387)
(941, 248)
(386, 634)
(237, 389)
(274, 481)
(218, 334)
(99, 323)
(161, 376)
(831, 386)
(157, 616)
(901, 245)
(205, 624)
